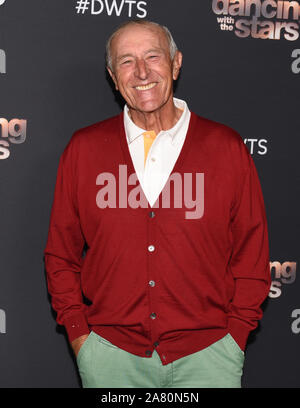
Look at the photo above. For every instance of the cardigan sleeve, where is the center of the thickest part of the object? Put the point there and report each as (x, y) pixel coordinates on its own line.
(64, 248)
(249, 261)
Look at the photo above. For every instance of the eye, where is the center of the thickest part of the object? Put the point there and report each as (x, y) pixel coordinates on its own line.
(126, 62)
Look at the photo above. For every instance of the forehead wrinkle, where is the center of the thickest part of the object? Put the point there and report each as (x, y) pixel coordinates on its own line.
(156, 31)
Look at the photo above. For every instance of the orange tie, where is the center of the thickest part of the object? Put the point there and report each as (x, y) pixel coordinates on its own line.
(149, 137)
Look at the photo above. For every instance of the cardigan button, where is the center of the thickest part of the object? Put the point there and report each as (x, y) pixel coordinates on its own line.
(152, 283)
(153, 316)
(151, 248)
(148, 352)
(151, 214)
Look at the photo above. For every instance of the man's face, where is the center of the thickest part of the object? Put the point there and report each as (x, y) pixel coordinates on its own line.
(142, 68)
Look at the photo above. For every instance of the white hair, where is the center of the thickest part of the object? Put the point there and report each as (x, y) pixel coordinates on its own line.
(172, 45)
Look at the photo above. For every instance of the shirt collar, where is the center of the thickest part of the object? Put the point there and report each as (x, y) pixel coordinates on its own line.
(133, 131)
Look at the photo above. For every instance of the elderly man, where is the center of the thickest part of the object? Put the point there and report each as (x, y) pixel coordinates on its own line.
(157, 256)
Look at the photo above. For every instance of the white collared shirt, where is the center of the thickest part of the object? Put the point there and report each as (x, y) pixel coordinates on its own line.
(163, 152)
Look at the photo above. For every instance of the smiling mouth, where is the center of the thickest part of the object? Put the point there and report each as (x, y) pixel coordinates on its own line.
(146, 87)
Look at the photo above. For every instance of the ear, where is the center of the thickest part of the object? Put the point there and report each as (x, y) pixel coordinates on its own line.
(113, 77)
(177, 62)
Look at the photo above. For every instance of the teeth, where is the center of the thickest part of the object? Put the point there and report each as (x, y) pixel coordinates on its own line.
(145, 87)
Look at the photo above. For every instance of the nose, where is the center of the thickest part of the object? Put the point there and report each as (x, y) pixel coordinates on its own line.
(141, 69)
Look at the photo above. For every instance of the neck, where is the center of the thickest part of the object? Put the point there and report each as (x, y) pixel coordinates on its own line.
(162, 119)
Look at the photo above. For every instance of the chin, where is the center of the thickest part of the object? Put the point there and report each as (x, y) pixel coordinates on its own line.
(149, 107)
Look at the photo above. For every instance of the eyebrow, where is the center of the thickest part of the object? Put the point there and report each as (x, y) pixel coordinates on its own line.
(124, 56)
(154, 50)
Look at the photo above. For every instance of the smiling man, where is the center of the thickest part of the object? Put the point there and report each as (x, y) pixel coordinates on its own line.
(143, 70)
(169, 300)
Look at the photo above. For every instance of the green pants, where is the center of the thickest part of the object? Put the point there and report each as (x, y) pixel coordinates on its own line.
(103, 365)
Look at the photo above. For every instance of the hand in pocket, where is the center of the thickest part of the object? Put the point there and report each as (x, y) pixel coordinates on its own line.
(78, 343)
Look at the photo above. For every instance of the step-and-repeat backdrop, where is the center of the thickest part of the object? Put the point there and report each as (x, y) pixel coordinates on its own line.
(241, 67)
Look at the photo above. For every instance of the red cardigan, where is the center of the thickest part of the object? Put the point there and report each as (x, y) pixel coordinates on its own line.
(153, 278)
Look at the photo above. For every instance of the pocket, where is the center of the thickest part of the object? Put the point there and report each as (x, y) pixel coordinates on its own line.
(82, 349)
(106, 342)
(234, 346)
